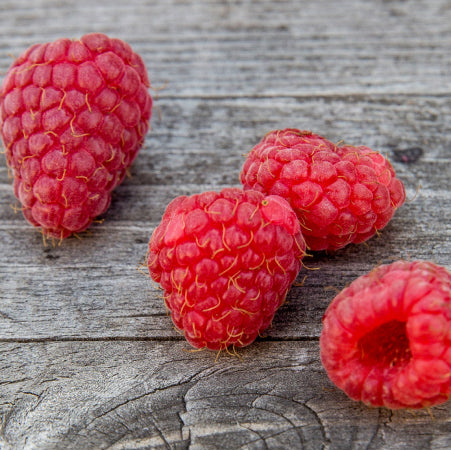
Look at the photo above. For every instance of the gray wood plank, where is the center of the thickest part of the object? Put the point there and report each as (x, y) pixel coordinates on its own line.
(153, 395)
(198, 141)
(206, 48)
(92, 288)
(103, 294)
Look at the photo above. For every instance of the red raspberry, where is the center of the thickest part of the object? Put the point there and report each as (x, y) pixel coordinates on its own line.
(341, 194)
(386, 338)
(74, 115)
(226, 262)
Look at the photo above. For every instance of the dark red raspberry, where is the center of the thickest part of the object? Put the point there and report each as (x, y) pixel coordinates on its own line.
(341, 194)
(226, 262)
(74, 115)
(386, 339)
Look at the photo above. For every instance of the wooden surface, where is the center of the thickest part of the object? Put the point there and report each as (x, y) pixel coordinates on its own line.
(88, 357)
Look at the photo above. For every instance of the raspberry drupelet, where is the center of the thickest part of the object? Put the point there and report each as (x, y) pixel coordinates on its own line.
(74, 115)
(225, 262)
(386, 339)
(341, 194)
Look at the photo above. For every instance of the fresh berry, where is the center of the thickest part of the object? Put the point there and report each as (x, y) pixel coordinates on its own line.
(73, 117)
(341, 194)
(386, 338)
(226, 262)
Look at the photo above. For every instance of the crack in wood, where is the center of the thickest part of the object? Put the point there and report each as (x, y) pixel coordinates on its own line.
(261, 437)
(15, 381)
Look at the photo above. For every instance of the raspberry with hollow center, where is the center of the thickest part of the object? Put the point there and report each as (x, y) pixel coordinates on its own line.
(73, 118)
(226, 262)
(386, 338)
(341, 194)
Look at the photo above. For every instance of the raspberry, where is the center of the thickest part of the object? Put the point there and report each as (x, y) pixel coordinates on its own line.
(386, 338)
(74, 115)
(341, 194)
(226, 262)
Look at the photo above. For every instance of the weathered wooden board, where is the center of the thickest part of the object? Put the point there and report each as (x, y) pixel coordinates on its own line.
(138, 394)
(93, 289)
(88, 356)
(237, 47)
(104, 295)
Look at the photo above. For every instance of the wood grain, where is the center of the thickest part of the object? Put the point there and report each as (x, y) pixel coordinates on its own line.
(88, 356)
(156, 395)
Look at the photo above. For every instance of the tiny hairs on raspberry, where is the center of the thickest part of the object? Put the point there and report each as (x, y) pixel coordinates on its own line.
(74, 115)
(386, 337)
